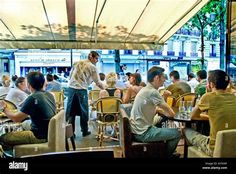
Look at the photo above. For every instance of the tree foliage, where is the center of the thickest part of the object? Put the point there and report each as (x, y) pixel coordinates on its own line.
(208, 21)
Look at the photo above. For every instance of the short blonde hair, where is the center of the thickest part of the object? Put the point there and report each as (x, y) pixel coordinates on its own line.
(111, 79)
(6, 81)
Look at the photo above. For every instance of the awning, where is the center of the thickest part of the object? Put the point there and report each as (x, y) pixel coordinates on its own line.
(99, 24)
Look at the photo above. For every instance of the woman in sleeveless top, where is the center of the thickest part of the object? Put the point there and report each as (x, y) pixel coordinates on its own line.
(111, 89)
(135, 80)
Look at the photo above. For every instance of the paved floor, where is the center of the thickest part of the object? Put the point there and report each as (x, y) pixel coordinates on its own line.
(90, 140)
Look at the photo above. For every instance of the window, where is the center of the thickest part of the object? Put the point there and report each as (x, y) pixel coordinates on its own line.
(181, 48)
(193, 47)
(142, 52)
(111, 52)
(212, 50)
(170, 51)
(6, 67)
(170, 45)
(157, 53)
(127, 51)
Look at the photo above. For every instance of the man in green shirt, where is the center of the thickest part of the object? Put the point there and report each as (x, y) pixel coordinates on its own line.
(201, 87)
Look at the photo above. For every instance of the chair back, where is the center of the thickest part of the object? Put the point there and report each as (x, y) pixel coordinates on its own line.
(225, 146)
(56, 132)
(94, 95)
(125, 131)
(59, 97)
(171, 101)
(108, 107)
(10, 105)
(3, 96)
(185, 97)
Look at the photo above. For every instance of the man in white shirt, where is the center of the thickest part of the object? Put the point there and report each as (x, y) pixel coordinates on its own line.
(144, 111)
(83, 73)
(192, 81)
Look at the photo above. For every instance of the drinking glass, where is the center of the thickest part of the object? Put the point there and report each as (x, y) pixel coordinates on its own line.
(182, 108)
(189, 107)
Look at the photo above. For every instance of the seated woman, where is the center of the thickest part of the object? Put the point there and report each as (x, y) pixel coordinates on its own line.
(135, 80)
(111, 89)
(13, 80)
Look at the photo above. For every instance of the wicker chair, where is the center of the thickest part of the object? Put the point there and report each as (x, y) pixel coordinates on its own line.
(186, 97)
(107, 115)
(59, 97)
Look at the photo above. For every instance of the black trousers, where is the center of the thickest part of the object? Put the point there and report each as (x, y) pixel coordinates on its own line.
(77, 105)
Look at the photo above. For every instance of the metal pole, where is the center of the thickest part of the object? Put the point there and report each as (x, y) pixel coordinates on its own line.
(71, 57)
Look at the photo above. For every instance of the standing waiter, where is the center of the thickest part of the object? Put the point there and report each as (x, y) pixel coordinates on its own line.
(83, 73)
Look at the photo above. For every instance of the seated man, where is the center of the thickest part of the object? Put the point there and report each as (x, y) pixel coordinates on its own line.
(201, 87)
(192, 81)
(41, 107)
(102, 77)
(220, 106)
(178, 87)
(144, 111)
